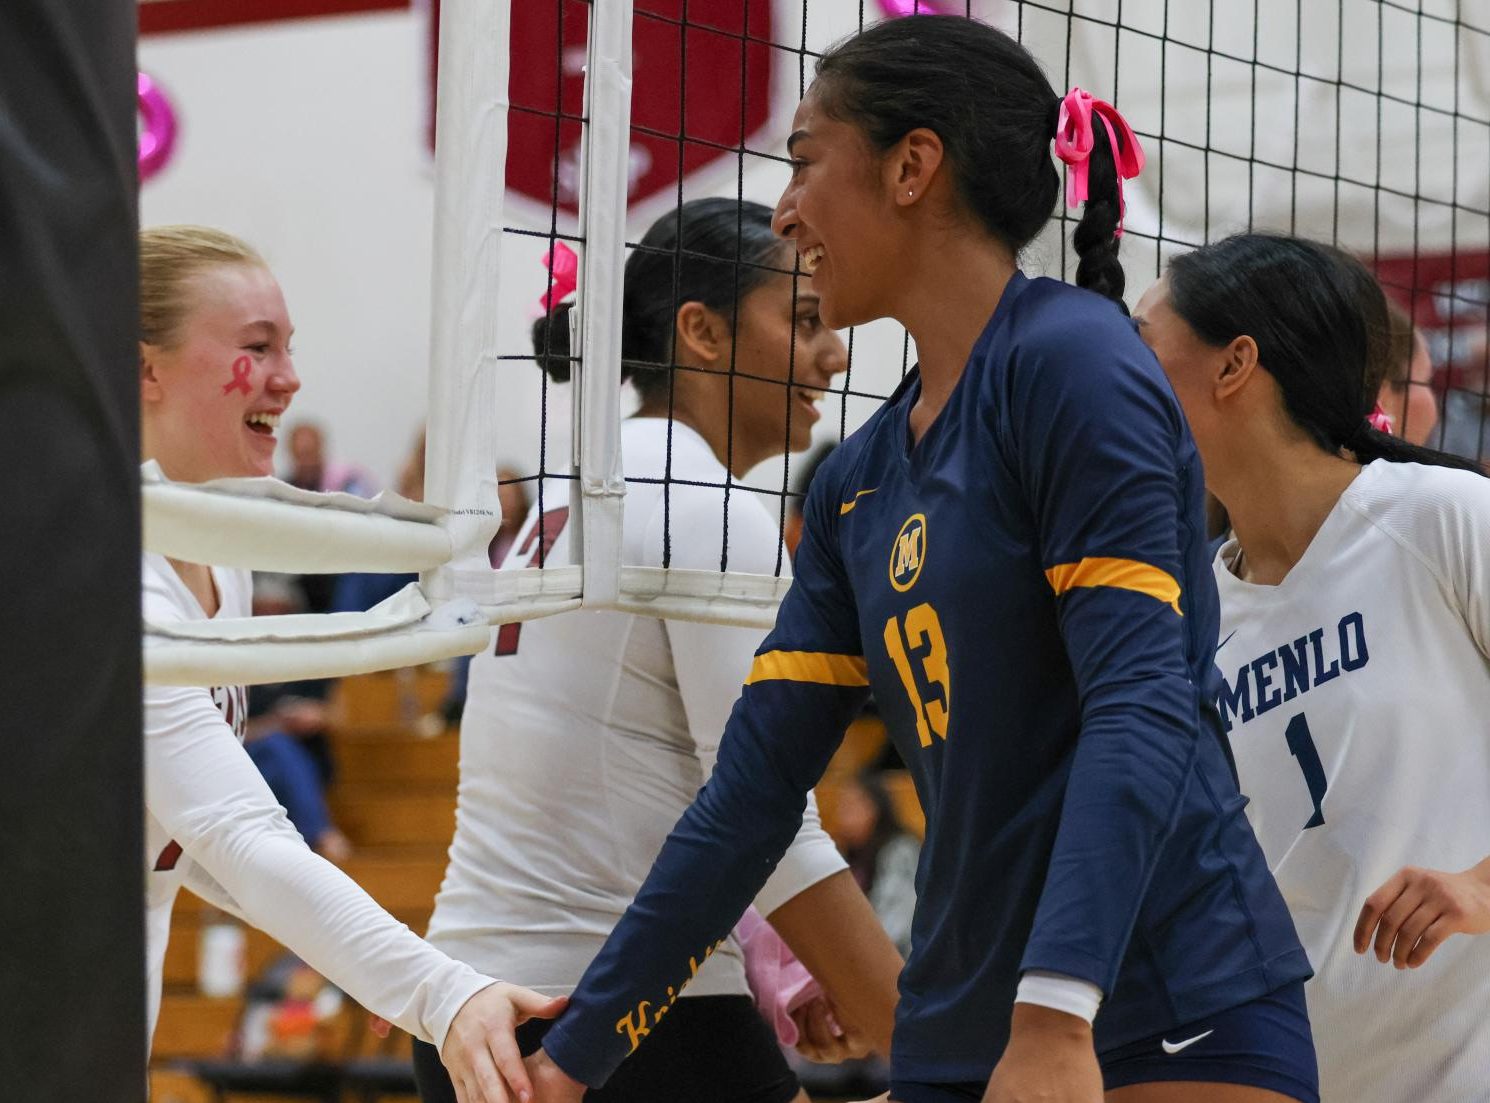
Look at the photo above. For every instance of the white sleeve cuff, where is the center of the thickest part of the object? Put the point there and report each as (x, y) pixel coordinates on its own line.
(1059, 993)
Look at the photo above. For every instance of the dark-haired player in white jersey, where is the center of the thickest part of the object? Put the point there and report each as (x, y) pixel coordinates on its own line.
(1355, 652)
(586, 735)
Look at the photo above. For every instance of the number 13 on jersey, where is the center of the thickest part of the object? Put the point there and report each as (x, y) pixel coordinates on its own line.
(921, 629)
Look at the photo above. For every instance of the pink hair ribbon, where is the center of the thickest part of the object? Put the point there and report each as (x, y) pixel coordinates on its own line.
(563, 267)
(1074, 140)
(1380, 420)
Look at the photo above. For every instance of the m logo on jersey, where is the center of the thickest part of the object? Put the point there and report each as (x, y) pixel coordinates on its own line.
(908, 553)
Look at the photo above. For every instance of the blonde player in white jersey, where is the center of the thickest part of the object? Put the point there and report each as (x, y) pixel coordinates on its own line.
(585, 736)
(1354, 656)
(215, 378)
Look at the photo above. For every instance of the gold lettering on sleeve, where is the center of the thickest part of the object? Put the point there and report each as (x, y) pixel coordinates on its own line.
(637, 1024)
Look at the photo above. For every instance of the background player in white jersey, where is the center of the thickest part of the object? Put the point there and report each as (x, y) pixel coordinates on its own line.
(215, 378)
(1355, 650)
(586, 735)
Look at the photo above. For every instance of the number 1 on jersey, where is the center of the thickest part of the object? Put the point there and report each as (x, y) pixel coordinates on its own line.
(1301, 746)
(923, 628)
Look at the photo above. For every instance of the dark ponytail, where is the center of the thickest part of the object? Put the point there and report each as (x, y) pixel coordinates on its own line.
(1320, 322)
(1096, 237)
(710, 251)
(551, 343)
(988, 100)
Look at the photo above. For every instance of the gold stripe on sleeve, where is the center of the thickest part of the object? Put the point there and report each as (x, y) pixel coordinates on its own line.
(1120, 574)
(809, 666)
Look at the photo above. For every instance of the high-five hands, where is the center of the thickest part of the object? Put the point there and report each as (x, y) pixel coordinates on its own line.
(823, 1037)
(480, 1051)
(1050, 1058)
(1417, 909)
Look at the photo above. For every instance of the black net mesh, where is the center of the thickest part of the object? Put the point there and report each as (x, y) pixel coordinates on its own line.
(1365, 123)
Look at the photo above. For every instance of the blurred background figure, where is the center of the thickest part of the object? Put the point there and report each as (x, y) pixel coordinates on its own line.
(310, 469)
(880, 852)
(513, 494)
(1406, 393)
(1466, 404)
(791, 533)
(287, 735)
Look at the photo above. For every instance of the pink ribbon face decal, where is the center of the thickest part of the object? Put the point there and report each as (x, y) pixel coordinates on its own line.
(1074, 140)
(158, 127)
(242, 369)
(563, 267)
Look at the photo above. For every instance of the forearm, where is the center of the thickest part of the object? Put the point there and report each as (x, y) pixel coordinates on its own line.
(1131, 765)
(836, 935)
(705, 876)
(324, 917)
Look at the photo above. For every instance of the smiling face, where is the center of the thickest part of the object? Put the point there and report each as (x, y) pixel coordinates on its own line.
(212, 399)
(838, 211)
(785, 358)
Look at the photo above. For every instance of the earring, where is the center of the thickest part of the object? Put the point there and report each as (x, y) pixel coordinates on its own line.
(908, 194)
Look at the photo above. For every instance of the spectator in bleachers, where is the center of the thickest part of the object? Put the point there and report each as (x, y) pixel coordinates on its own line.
(1466, 405)
(311, 470)
(1406, 393)
(287, 735)
(880, 852)
(801, 479)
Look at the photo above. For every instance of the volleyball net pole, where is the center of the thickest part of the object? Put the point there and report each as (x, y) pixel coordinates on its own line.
(605, 161)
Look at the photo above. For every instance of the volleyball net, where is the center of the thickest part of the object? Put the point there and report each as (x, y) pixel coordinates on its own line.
(573, 126)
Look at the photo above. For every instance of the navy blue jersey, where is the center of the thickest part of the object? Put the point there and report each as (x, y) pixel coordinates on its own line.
(1028, 593)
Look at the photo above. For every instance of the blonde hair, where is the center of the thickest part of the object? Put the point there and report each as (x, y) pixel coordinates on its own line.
(170, 256)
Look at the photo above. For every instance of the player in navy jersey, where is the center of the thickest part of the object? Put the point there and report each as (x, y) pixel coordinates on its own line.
(1011, 555)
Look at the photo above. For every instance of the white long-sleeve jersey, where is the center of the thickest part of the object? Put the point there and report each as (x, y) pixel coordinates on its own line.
(1357, 700)
(212, 823)
(586, 735)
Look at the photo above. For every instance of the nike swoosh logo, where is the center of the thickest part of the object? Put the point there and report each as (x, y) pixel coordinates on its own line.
(847, 507)
(1227, 640)
(1172, 1048)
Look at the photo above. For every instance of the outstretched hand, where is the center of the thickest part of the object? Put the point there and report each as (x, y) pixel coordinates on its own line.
(552, 1084)
(1417, 909)
(480, 1051)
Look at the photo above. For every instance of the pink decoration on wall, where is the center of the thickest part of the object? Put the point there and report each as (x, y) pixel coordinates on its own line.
(158, 133)
(242, 368)
(894, 9)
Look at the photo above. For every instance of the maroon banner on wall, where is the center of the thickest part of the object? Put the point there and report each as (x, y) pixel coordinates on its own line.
(701, 91)
(168, 16)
